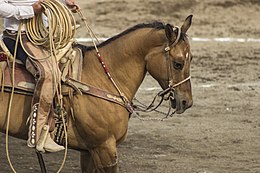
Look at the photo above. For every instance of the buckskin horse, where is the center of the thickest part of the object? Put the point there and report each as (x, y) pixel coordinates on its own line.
(99, 125)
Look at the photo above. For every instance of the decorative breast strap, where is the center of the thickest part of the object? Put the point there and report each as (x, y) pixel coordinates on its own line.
(96, 92)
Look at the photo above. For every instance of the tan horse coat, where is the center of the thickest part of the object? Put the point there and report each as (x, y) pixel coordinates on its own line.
(99, 125)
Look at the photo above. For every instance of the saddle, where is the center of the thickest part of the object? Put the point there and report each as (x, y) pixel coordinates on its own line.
(69, 58)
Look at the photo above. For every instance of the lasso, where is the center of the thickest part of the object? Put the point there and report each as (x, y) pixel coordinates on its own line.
(58, 32)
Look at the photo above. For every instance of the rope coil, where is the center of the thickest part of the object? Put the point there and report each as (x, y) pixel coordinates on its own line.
(61, 25)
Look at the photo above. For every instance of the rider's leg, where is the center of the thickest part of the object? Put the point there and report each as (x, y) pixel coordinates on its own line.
(46, 84)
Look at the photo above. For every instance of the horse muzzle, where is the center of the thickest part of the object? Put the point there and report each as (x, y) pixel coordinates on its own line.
(180, 105)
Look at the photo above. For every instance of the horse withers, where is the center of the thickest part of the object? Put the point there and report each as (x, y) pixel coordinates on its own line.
(99, 125)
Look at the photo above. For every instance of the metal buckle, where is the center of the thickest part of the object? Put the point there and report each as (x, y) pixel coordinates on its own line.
(11, 32)
(167, 49)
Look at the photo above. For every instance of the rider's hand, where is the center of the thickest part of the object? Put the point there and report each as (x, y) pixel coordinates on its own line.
(70, 2)
(37, 8)
(72, 5)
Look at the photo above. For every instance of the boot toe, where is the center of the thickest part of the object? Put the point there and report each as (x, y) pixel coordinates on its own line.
(51, 146)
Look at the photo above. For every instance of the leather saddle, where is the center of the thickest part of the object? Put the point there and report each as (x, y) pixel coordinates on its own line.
(70, 60)
(24, 82)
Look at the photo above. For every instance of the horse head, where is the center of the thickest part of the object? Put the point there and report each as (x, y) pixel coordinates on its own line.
(169, 64)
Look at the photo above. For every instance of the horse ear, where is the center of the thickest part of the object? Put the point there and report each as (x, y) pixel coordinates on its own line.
(169, 31)
(187, 24)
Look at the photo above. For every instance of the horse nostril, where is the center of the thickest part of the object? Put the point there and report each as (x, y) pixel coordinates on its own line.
(184, 103)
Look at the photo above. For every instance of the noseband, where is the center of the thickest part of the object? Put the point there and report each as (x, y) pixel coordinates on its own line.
(171, 86)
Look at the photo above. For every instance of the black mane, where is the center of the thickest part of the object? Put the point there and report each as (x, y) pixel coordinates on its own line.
(156, 25)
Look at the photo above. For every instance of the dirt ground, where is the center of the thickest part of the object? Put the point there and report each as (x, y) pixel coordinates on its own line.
(221, 132)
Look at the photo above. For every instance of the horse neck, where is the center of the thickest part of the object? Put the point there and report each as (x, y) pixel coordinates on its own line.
(125, 58)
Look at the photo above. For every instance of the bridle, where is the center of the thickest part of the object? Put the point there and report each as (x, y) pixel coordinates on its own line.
(167, 49)
(167, 93)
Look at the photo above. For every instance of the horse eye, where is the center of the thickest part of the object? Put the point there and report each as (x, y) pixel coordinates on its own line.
(177, 66)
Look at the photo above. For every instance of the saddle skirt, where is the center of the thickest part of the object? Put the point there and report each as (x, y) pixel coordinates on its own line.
(24, 81)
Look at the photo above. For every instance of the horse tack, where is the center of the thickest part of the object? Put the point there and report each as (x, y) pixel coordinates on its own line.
(171, 86)
(167, 49)
(24, 81)
(99, 93)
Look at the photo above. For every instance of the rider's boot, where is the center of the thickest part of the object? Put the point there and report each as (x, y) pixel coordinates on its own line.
(45, 142)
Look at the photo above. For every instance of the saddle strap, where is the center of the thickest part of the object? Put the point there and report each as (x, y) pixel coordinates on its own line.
(96, 92)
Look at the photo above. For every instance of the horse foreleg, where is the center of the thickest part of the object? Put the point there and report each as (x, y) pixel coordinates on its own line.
(86, 162)
(102, 159)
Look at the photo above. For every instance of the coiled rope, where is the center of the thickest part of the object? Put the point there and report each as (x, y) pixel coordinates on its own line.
(59, 30)
(53, 35)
